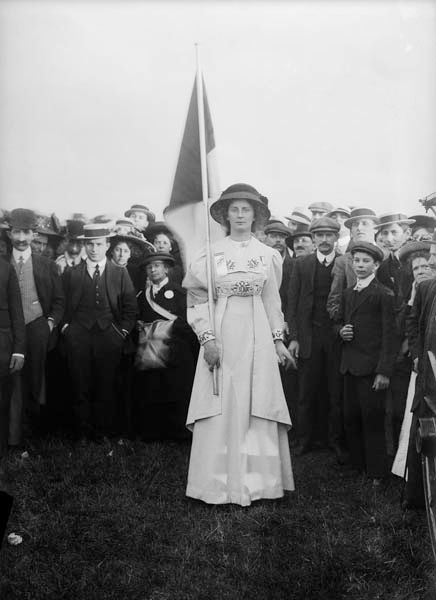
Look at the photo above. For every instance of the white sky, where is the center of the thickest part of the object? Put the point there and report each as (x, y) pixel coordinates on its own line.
(309, 100)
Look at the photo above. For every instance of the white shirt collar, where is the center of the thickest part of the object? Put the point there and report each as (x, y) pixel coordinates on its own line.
(90, 266)
(321, 257)
(26, 254)
(158, 286)
(363, 283)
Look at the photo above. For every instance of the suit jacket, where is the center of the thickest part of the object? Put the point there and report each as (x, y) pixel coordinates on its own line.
(120, 292)
(343, 276)
(375, 345)
(49, 287)
(399, 279)
(288, 266)
(300, 303)
(12, 325)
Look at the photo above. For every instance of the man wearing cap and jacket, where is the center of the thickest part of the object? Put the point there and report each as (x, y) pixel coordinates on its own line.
(100, 312)
(395, 231)
(43, 305)
(74, 252)
(276, 236)
(312, 340)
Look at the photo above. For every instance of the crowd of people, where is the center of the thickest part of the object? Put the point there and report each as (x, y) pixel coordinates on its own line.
(321, 336)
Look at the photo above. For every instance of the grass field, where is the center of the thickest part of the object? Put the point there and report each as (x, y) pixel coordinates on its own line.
(112, 521)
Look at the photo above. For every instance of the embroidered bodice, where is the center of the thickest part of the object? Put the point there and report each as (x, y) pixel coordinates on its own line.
(239, 270)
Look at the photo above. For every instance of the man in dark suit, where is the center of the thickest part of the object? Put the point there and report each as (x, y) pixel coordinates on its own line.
(12, 342)
(43, 305)
(312, 340)
(100, 313)
(367, 328)
(276, 236)
(395, 231)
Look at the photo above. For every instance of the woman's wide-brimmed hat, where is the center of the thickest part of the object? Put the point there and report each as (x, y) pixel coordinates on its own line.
(357, 214)
(240, 191)
(157, 228)
(140, 242)
(141, 208)
(49, 226)
(411, 247)
(163, 256)
(92, 231)
(426, 221)
(392, 219)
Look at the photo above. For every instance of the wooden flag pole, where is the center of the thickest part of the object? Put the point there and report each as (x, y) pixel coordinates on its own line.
(204, 188)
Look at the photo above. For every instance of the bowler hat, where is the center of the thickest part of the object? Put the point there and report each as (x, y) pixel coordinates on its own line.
(357, 214)
(303, 229)
(387, 219)
(163, 256)
(325, 224)
(91, 231)
(410, 247)
(240, 191)
(140, 208)
(74, 229)
(368, 248)
(22, 218)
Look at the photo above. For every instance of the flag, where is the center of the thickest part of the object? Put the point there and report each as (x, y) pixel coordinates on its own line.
(186, 211)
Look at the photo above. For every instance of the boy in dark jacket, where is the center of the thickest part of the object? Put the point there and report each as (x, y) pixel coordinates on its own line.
(368, 357)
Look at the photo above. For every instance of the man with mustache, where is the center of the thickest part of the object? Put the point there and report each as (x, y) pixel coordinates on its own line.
(43, 306)
(312, 340)
(276, 236)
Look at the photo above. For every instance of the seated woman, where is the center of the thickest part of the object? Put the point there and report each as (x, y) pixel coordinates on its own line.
(161, 395)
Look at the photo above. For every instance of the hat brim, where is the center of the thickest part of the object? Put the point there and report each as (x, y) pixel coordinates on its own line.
(218, 207)
(298, 219)
(49, 233)
(95, 237)
(398, 222)
(134, 240)
(410, 247)
(158, 256)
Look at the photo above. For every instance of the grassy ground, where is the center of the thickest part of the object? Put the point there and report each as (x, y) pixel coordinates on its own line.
(112, 522)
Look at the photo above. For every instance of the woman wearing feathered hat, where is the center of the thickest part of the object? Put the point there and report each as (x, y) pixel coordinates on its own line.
(240, 449)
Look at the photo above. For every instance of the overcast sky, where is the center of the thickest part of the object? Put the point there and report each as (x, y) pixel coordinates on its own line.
(310, 100)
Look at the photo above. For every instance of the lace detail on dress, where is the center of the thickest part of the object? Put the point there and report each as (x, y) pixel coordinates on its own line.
(239, 288)
(205, 336)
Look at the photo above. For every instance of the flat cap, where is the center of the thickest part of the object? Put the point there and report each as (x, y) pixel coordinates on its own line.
(324, 224)
(277, 227)
(324, 206)
(368, 248)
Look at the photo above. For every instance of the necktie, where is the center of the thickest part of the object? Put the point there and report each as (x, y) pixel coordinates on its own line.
(324, 262)
(96, 280)
(20, 265)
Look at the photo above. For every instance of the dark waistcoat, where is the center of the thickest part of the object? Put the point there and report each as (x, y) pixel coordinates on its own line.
(321, 290)
(93, 308)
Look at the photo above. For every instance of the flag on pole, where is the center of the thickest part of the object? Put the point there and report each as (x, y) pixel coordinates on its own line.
(185, 213)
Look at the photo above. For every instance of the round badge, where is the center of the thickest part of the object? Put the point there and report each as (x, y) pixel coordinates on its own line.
(169, 294)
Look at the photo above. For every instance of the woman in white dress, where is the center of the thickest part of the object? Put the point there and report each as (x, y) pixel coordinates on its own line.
(240, 449)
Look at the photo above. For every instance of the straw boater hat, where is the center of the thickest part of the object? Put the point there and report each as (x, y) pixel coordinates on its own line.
(368, 248)
(387, 219)
(360, 213)
(325, 224)
(299, 216)
(163, 256)
(411, 247)
(339, 209)
(141, 208)
(91, 231)
(240, 191)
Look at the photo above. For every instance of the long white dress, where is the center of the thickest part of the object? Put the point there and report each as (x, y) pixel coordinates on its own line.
(240, 449)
